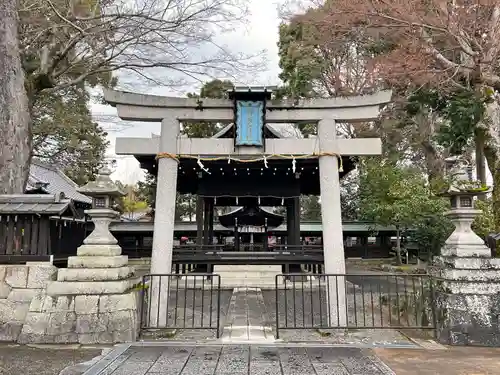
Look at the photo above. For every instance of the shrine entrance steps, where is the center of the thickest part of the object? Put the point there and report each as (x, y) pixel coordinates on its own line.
(247, 320)
(248, 276)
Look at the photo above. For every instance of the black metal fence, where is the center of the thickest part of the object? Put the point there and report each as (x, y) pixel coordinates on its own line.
(357, 301)
(172, 301)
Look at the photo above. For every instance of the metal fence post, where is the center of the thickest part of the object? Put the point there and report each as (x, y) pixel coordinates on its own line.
(141, 290)
(218, 306)
(433, 308)
(277, 306)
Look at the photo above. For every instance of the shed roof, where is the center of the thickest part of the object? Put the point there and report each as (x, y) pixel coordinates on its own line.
(35, 204)
(52, 180)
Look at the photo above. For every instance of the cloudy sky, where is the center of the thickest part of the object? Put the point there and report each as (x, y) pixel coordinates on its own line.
(261, 33)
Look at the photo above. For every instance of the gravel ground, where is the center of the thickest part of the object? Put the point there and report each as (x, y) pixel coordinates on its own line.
(307, 308)
(24, 360)
(188, 308)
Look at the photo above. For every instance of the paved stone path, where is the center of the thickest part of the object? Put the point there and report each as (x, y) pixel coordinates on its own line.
(239, 360)
(245, 323)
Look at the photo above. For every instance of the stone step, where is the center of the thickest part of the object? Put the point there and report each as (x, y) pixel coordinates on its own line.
(99, 250)
(97, 261)
(248, 275)
(94, 274)
(248, 268)
(58, 288)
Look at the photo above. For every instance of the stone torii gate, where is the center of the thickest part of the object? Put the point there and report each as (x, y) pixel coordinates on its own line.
(171, 111)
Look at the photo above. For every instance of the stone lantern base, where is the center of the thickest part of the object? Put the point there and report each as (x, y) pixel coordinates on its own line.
(92, 301)
(468, 300)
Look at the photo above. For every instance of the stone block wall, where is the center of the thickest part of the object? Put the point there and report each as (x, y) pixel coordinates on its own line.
(83, 319)
(19, 285)
(29, 315)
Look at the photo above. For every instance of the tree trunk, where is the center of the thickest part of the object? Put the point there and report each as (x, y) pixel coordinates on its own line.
(493, 158)
(399, 260)
(15, 124)
(434, 160)
(480, 165)
(434, 164)
(492, 154)
(15, 119)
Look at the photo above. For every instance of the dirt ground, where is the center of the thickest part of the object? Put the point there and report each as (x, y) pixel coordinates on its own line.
(24, 360)
(452, 361)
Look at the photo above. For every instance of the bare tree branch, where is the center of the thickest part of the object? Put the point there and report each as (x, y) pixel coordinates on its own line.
(68, 43)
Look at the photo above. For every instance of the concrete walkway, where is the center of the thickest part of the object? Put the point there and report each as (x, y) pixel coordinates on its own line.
(245, 323)
(182, 359)
(279, 359)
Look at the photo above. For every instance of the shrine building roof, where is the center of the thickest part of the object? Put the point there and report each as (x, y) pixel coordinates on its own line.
(251, 216)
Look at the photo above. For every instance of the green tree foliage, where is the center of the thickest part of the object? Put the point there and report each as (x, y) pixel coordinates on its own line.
(484, 223)
(146, 190)
(215, 89)
(462, 110)
(299, 62)
(132, 202)
(185, 207)
(349, 197)
(65, 135)
(131, 205)
(431, 232)
(397, 196)
(310, 208)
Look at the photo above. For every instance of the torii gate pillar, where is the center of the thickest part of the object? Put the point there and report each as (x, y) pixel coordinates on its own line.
(331, 219)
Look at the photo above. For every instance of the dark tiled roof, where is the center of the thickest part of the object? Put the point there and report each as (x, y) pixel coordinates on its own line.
(53, 181)
(34, 204)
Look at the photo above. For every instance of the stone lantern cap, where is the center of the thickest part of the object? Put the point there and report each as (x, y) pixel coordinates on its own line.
(102, 185)
(459, 173)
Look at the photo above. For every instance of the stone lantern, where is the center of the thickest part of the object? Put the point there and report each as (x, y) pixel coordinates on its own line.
(95, 295)
(104, 193)
(461, 192)
(467, 279)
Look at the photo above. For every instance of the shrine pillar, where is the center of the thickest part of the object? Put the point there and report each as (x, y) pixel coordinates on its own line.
(163, 228)
(199, 220)
(211, 221)
(333, 244)
(206, 221)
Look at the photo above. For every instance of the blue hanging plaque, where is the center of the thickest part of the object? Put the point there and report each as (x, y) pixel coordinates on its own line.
(249, 123)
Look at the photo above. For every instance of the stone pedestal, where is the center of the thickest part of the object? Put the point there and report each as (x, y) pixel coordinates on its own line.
(468, 300)
(91, 302)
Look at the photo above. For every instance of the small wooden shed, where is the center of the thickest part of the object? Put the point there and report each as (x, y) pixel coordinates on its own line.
(34, 227)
